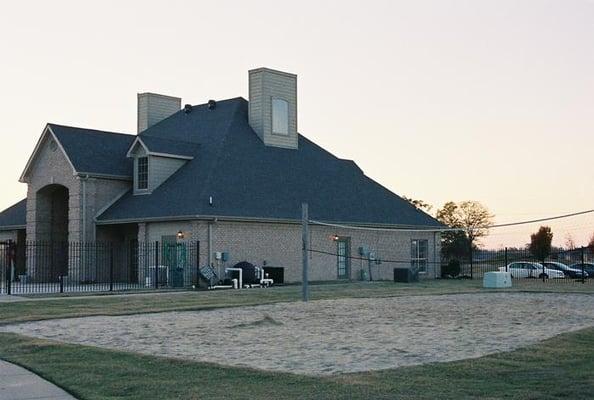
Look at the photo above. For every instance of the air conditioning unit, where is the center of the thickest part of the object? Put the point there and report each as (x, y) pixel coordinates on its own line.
(406, 275)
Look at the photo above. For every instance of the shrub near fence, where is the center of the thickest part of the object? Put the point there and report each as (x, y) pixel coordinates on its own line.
(58, 267)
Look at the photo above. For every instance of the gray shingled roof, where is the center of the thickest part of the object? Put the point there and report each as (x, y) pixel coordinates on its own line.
(96, 152)
(249, 180)
(14, 216)
(166, 146)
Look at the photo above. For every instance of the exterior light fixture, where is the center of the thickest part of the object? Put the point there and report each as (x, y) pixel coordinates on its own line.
(180, 235)
(335, 237)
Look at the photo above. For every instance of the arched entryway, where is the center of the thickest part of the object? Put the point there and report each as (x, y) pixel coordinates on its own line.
(51, 232)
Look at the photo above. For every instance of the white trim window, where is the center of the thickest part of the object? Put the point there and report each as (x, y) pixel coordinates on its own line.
(419, 250)
(280, 117)
(142, 168)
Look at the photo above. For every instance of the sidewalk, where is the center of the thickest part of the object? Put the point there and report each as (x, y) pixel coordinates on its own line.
(17, 383)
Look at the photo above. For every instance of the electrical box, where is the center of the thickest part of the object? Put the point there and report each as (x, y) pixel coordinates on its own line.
(363, 251)
(218, 255)
(497, 280)
(225, 256)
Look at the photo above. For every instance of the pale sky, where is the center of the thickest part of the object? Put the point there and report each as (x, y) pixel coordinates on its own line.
(437, 100)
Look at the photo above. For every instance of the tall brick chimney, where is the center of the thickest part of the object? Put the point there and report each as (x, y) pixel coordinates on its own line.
(153, 108)
(273, 107)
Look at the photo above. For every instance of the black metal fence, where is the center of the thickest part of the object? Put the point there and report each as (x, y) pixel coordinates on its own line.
(560, 266)
(59, 267)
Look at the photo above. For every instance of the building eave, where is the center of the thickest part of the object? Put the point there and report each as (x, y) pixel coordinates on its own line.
(12, 228)
(395, 227)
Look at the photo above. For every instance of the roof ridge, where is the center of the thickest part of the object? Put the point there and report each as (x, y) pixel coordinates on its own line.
(218, 151)
(89, 129)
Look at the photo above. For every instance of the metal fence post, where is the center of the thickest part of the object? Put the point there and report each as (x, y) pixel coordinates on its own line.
(111, 267)
(583, 261)
(305, 248)
(156, 265)
(197, 263)
(506, 260)
(11, 251)
(471, 261)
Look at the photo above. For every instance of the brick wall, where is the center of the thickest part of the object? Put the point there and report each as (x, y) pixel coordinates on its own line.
(280, 245)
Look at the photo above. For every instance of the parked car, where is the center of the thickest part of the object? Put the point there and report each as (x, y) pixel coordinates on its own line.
(588, 268)
(525, 269)
(570, 272)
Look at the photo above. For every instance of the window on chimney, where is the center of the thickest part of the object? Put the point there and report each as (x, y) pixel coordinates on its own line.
(280, 117)
(142, 173)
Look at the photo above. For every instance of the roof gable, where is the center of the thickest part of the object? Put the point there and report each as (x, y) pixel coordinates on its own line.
(95, 152)
(160, 147)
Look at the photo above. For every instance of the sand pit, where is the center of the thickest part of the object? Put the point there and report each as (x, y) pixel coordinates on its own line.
(335, 336)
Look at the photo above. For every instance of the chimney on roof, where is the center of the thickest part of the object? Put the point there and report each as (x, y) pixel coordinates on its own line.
(273, 107)
(153, 108)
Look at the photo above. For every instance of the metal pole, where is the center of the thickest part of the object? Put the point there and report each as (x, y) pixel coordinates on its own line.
(197, 263)
(506, 260)
(471, 261)
(111, 267)
(10, 267)
(583, 261)
(156, 265)
(304, 238)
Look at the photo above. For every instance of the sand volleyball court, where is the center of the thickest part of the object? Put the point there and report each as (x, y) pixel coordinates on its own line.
(334, 336)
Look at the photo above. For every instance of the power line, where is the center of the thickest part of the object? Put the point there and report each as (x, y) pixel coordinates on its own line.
(494, 226)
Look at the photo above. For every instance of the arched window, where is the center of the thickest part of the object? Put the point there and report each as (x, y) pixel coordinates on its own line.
(280, 117)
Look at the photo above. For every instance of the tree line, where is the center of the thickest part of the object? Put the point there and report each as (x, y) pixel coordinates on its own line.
(473, 220)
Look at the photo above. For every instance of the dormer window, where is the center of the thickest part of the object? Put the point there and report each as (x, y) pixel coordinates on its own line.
(142, 173)
(280, 117)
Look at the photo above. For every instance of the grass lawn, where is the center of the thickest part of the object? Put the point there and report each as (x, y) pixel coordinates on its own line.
(559, 368)
(64, 307)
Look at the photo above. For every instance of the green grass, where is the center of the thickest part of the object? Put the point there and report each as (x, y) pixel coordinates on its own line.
(67, 307)
(559, 368)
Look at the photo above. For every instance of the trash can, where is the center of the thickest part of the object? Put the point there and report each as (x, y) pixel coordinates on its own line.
(177, 277)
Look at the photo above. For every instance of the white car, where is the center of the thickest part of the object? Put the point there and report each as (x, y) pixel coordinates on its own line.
(525, 269)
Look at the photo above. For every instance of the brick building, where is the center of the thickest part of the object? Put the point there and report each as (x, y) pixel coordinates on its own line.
(231, 174)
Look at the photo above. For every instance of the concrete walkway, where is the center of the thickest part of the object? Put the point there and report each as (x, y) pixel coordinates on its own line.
(17, 383)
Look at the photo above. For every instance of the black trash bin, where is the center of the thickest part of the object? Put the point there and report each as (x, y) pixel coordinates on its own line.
(177, 277)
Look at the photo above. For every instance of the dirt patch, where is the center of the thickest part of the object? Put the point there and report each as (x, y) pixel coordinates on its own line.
(335, 336)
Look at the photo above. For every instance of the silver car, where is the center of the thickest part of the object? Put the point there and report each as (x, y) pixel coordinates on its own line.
(525, 269)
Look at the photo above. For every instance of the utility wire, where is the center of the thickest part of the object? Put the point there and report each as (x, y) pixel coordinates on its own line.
(533, 221)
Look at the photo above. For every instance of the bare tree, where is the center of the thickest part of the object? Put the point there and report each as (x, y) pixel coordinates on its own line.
(420, 204)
